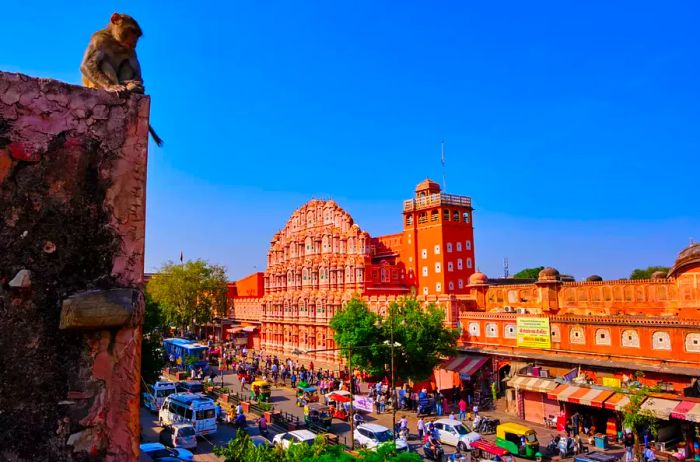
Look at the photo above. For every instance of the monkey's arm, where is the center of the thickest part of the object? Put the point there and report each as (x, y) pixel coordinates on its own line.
(91, 67)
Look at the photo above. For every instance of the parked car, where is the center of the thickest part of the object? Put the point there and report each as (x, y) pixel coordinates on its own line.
(260, 440)
(190, 387)
(370, 436)
(157, 451)
(455, 433)
(155, 394)
(179, 436)
(297, 436)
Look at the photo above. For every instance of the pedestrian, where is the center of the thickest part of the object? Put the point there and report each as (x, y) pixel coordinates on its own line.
(629, 446)
(475, 411)
(438, 405)
(462, 405)
(421, 429)
(649, 455)
(242, 383)
(382, 403)
(452, 416)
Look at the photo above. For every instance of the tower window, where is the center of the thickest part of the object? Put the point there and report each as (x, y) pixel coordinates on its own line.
(469, 262)
(459, 247)
(469, 245)
(449, 247)
(422, 217)
(438, 268)
(450, 266)
(466, 217)
(436, 249)
(460, 283)
(425, 271)
(438, 287)
(451, 285)
(409, 220)
(459, 263)
(425, 291)
(434, 215)
(424, 253)
(446, 215)
(455, 215)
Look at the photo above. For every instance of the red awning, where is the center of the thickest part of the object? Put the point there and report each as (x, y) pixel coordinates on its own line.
(687, 410)
(339, 398)
(617, 402)
(465, 366)
(580, 395)
(489, 447)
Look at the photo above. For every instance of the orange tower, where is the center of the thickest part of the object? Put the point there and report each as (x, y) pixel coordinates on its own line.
(438, 241)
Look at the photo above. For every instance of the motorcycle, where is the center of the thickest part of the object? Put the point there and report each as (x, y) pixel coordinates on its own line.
(436, 454)
(553, 446)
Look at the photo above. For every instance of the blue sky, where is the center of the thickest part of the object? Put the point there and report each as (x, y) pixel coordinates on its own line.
(574, 126)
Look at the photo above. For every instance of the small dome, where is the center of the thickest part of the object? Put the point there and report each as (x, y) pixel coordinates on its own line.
(478, 279)
(687, 258)
(428, 184)
(594, 277)
(548, 274)
(658, 275)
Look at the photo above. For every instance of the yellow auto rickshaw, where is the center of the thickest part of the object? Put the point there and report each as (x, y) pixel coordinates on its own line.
(518, 439)
(306, 395)
(261, 390)
(318, 414)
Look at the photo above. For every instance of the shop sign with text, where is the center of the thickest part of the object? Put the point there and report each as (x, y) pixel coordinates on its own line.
(533, 332)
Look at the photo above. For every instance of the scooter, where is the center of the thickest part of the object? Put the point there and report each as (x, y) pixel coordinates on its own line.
(437, 454)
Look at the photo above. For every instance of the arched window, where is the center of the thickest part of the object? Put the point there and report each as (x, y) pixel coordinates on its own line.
(692, 343)
(455, 215)
(556, 334)
(466, 217)
(409, 220)
(602, 337)
(661, 341)
(474, 329)
(434, 215)
(446, 215)
(491, 329)
(577, 336)
(509, 331)
(630, 338)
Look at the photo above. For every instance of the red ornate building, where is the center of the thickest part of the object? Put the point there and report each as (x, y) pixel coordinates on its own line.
(321, 258)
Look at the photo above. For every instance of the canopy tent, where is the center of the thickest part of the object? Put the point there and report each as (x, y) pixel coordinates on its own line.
(660, 408)
(617, 402)
(580, 395)
(532, 384)
(687, 410)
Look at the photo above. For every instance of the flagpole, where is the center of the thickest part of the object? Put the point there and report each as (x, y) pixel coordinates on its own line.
(444, 183)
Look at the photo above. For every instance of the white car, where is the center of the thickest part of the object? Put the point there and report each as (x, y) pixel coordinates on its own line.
(370, 436)
(297, 436)
(455, 433)
(158, 451)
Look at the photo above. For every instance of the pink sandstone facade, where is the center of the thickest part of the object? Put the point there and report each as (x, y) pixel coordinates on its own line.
(72, 229)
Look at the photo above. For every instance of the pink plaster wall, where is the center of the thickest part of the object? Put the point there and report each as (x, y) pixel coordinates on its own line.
(69, 154)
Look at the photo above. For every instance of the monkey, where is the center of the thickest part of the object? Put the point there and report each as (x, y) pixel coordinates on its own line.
(110, 61)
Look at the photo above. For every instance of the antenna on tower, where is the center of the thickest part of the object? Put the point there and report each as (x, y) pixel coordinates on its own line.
(442, 159)
(505, 268)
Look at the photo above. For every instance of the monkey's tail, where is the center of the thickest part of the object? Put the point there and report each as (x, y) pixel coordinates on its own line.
(156, 138)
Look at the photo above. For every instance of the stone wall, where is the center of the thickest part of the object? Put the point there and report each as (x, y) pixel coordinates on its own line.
(72, 228)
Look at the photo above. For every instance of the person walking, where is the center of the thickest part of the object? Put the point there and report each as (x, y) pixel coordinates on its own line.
(421, 429)
(438, 405)
(629, 446)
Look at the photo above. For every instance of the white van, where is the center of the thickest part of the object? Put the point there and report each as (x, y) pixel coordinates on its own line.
(196, 409)
(154, 397)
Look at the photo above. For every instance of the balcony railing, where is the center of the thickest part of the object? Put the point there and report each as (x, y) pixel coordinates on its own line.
(436, 200)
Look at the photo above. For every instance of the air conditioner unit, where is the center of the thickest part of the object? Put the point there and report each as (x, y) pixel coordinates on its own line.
(508, 309)
(522, 311)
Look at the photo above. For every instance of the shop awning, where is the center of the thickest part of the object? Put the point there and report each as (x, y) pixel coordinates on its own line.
(687, 410)
(580, 395)
(234, 330)
(250, 328)
(617, 402)
(532, 384)
(659, 407)
(465, 366)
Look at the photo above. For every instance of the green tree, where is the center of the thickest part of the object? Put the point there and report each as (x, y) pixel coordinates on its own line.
(639, 273)
(190, 293)
(420, 332)
(634, 417)
(152, 361)
(529, 273)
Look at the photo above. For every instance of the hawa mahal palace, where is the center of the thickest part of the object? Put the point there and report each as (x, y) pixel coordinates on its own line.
(552, 346)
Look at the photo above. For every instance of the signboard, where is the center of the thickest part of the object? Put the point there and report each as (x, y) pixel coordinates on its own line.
(533, 332)
(363, 403)
(612, 382)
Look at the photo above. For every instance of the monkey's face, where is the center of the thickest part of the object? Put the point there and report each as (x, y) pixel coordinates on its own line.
(129, 39)
(126, 30)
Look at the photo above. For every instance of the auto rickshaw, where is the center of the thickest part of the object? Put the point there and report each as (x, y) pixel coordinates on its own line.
(519, 439)
(318, 415)
(485, 451)
(306, 395)
(338, 402)
(261, 388)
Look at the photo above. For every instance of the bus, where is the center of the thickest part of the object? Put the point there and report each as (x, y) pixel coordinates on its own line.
(187, 352)
(192, 408)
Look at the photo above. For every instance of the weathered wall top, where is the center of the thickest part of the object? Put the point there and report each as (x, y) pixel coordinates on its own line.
(72, 228)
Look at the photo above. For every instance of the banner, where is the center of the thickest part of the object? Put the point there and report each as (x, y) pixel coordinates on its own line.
(363, 403)
(533, 332)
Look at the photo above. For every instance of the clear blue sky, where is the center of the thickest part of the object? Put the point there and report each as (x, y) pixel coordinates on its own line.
(574, 126)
